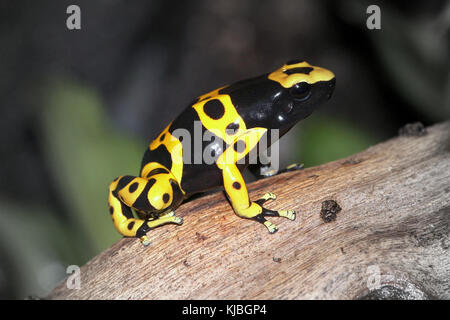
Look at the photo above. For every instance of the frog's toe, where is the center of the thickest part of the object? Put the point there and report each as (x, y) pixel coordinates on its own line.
(145, 241)
(295, 166)
(168, 214)
(290, 214)
(269, 173)
(178, 220)
(272, 228)
(266, 197)
(269, 196)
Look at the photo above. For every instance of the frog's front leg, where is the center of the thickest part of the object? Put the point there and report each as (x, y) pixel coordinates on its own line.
(236, 191)
(128, 192)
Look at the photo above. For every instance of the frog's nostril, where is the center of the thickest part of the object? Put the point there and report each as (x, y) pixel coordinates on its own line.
(332, 83)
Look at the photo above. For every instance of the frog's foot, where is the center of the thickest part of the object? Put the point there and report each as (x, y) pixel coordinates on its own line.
(145, 241)
(170, 213)
(268, 172)
(266, 197)
(178, 220)
(166, 218)
(289, 214)
(170, 218)
(270, 226)
(292, 167)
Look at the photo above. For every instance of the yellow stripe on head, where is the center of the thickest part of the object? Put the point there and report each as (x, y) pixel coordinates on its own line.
(287, 75)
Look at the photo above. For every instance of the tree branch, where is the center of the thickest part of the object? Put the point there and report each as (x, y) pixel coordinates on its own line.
(391, 238)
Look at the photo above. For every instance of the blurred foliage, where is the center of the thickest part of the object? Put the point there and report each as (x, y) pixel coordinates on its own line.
(414, 52)
(85, 153)
(416, 55)
(37, 245)
(323, 139)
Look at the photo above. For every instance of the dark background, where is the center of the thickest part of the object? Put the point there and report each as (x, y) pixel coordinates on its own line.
(79, 107)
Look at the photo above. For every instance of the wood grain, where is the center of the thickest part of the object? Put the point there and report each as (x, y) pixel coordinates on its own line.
(391, 238)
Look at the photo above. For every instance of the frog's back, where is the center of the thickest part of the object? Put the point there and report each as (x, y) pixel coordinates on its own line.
(190, 166)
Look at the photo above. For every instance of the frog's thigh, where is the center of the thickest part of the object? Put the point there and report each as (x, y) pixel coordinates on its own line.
(128, 192)
(120, 208)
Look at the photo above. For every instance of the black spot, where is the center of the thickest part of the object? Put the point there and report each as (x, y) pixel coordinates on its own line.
(124, 181)
(214, 109)
(305, 70)
(126, 211)
(193, 162)
(132, 188)
(130, 225)
(180, 138)
(160, 155)
(141, 202)
(166, 197)
(162, 137)
(236, 185)
(239, 146)
(232, 128)
(111, 210)
(156, 171)
(248, 95)
(294, 61)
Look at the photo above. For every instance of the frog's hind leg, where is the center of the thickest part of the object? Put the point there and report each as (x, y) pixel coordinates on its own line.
(127, 192)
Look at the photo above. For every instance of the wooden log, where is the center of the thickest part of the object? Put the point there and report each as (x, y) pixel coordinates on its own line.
(390, 240)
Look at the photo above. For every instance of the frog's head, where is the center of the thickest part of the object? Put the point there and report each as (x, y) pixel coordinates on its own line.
(303, 88)
(283, 97)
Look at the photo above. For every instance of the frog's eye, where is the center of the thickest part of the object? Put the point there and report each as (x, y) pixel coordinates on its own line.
(301, 91)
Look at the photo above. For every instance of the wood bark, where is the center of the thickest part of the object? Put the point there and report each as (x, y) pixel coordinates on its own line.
(390, 240)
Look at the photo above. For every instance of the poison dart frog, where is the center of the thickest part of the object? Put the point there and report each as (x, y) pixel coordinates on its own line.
(236, 118)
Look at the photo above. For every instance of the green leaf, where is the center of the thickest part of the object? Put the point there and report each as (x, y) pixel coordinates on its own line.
(324, 139)
(85, 153)
(35, 248)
